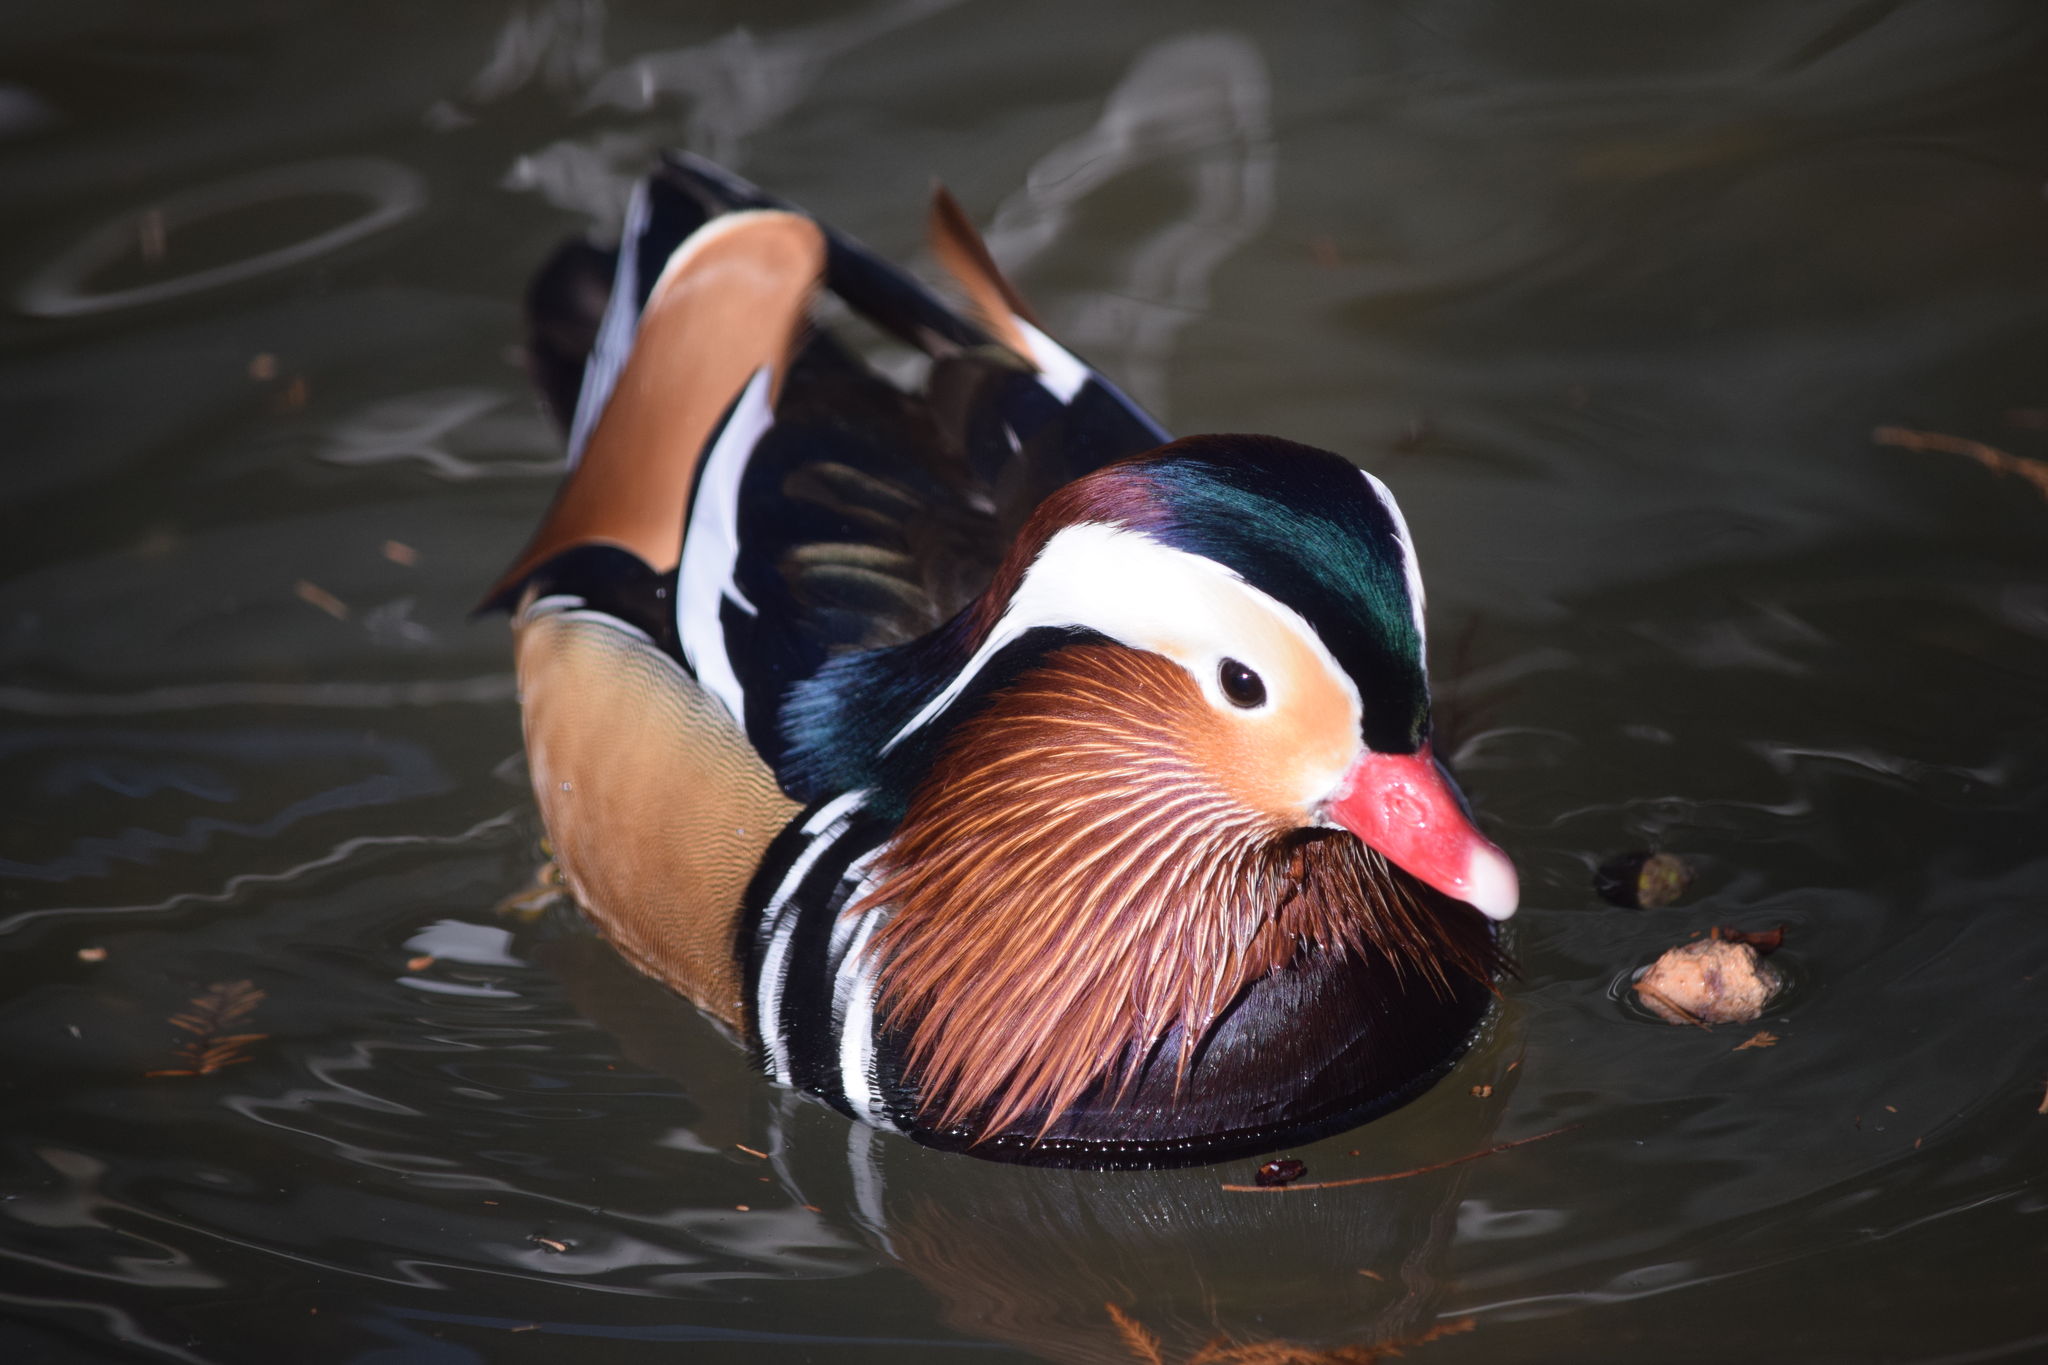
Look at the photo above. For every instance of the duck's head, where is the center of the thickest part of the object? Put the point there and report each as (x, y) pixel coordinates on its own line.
(1283, 582)
(1219, 726)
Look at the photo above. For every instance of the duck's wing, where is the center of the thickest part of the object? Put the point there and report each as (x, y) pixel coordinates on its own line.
(804, 506)
(1013, 414)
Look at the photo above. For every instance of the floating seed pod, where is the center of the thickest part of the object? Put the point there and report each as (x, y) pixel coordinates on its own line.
(1643, 881)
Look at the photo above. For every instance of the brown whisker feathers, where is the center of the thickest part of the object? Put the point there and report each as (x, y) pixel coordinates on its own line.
(1068, 887)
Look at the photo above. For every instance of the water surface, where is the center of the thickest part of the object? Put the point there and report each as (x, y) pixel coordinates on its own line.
(1614, 296)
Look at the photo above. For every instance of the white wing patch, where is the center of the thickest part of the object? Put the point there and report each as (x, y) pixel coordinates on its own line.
(704, 580)
(1062, 374)
(1058, 369)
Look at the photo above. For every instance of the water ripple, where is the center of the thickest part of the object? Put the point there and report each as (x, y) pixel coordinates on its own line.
(389, 193)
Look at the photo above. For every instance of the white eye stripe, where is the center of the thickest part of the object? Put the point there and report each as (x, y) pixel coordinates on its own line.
(1139, 592)
(1411, 568)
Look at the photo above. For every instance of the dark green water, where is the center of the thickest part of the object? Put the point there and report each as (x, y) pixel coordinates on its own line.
(1614, 295)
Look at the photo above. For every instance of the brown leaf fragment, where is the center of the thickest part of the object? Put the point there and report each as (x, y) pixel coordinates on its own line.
(552, 1244)
(420, 963)
(1280, 1171)
(1765, 941)
(1142, 1345)
(1761, 1038)
(1455, 1327)
(398, 552)
(92, 954)
(1991, 457)
(1373, 1275)
(750, 1151)
(312, 594)
(1482, 1092)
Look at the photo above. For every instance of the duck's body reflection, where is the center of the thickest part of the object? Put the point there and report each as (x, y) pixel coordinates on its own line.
(1076, 1266)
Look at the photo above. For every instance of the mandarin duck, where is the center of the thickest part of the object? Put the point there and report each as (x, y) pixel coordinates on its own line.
(1003, 771)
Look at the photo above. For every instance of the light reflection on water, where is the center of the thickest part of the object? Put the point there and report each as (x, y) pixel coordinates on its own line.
(1612, 299)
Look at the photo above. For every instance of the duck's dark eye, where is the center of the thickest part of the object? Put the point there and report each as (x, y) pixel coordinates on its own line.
(1244, 687)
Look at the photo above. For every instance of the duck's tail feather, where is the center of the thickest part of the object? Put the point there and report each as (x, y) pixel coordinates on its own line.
(892, 299)
(996, 303)
(901, 305)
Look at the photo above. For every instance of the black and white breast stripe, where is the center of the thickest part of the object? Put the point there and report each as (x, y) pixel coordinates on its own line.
(809, 982)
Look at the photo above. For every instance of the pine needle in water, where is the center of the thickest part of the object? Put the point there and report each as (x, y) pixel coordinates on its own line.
(1143, 1346)
(210, 1017)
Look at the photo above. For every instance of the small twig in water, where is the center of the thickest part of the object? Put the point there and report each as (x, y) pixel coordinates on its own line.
(1397, 1175)
(1650, 992)
(1991, 457)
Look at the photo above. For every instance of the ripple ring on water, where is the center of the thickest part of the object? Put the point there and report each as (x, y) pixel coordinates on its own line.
(389, 191)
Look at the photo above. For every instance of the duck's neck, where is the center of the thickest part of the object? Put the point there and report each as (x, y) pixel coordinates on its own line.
(1065, 889)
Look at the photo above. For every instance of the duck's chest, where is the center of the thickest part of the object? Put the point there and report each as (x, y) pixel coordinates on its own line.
(1320, 1045)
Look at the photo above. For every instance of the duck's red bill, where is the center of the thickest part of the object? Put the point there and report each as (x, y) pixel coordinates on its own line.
(1405, 807)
